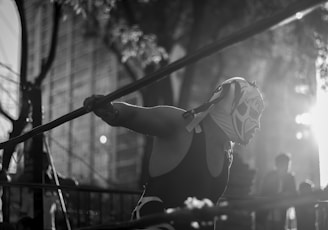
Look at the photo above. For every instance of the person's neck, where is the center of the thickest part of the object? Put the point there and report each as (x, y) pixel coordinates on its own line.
(214, 130)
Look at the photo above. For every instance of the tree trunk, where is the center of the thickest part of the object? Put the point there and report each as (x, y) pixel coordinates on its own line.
(194, 43)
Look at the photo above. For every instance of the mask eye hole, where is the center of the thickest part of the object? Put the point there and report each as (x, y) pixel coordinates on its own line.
(254, 114)
(242, 108)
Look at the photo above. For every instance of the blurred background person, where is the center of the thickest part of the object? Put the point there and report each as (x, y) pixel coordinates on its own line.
(277, 183)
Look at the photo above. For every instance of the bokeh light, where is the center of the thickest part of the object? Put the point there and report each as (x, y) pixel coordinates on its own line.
(299, 135)
(103, 139)
(299, 15)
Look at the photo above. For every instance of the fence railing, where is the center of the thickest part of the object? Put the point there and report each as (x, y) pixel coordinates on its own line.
(90, 206)
(85, 205)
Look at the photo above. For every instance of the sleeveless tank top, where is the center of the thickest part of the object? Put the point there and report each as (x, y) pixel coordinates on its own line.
(191, 178)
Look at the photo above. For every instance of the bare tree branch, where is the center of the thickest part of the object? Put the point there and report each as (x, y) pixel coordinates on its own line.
(8, 79)
(5, 114)
(8, 93)
(8, 68)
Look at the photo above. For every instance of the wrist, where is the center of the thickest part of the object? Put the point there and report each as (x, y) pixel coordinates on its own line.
(112, 116)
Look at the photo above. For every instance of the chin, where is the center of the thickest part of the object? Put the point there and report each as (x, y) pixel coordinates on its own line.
(242, 142)
(248, 139)
(245, 142)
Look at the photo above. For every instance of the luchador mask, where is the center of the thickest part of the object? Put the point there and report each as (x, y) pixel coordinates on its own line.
(239, 110)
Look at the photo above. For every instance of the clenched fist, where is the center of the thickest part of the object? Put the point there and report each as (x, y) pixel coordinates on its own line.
(105, 111)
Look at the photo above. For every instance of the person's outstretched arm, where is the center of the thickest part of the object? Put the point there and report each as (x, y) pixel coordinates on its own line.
(156, 121)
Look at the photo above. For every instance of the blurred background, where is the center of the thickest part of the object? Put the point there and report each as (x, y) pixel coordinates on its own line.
(100, 46)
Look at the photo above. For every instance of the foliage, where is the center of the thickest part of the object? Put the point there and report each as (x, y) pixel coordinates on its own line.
(135, 43)
(104, 18)
(85, 6)
(322, 62)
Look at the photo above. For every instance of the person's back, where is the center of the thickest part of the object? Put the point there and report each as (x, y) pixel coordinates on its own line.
(276, 184)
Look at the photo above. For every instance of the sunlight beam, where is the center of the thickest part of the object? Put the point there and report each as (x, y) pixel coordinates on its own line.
(320, 128)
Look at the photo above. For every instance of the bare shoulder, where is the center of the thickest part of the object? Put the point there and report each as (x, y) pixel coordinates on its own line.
(170, 112)
(171, 117)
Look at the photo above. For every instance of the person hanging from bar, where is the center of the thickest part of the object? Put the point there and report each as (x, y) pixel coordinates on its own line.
(192, 150)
